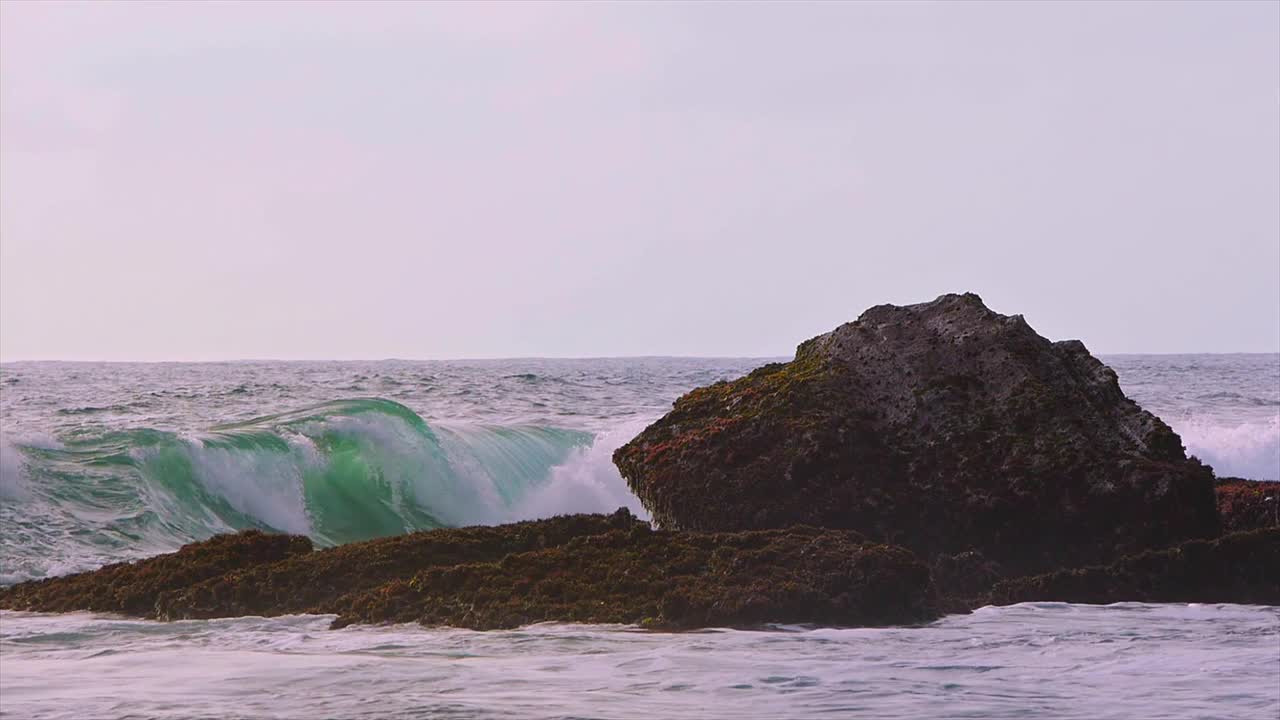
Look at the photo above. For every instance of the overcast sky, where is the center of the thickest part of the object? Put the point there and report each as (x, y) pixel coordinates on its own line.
(326, 180)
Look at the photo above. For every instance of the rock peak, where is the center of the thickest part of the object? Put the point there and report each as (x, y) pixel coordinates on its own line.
(942, 425)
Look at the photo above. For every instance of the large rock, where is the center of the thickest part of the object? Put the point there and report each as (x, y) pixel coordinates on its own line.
(945, 427)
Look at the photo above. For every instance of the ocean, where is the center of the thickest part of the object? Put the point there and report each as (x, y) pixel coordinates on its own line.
(101, 462)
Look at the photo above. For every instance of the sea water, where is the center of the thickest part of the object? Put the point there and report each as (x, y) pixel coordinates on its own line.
(103, 462)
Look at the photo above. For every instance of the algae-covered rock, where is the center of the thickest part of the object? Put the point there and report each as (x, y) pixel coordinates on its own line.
(133, 588)
(576, 568)
(323, 581)
(1237, 568)
(945, 427)
(672, 580)
(1248, 504)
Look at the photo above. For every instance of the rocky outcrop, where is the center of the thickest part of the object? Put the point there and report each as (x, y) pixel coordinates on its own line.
(669, 580)
(134, 588)
(1236, 568)
(324, 581)
(944, 427)
(581, 568)
(1248, 504)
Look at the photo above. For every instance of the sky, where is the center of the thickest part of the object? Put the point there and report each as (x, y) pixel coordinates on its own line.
(203, 181)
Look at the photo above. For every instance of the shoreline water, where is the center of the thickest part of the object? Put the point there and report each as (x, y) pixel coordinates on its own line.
(1053, 660)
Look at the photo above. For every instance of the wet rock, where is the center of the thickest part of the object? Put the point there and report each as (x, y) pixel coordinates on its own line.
(1248, 504)
(133, 588)
(578, 568)
(1236, 568)
(944, 427)
(669, 580)
(324, 581)
(963, 580)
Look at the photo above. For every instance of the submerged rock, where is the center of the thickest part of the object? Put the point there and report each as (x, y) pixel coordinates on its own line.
(133, 588)
(1236, 568)
(945, 427)
(579, 568)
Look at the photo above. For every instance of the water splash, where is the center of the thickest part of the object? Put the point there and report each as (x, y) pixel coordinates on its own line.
(339, 472)
(1248, 450)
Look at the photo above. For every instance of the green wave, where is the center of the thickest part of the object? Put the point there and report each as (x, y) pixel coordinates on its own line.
(339, 472)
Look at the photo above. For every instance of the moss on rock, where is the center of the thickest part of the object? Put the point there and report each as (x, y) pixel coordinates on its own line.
(944, 427)
(578, 568)
(1248, 504)
(134, 588)
(324, 581)
(669, 580)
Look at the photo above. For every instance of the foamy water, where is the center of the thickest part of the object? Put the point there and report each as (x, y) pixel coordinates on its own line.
(1041, 660)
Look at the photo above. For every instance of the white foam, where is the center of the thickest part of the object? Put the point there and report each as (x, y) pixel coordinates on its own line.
(264, 485)
(587, 482)
(1247, 450)
(13, 481)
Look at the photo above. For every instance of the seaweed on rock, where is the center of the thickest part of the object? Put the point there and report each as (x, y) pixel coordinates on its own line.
(943, 427)
(133, 588)
(576, 568)
(670, 580)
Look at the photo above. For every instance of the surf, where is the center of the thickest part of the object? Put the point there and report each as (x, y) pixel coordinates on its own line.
(338, 472)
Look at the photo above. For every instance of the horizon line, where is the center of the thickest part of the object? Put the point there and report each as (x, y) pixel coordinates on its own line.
(497, 358)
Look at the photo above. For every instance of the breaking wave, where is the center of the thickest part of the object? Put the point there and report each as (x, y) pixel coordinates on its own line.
(339, 472)
(1248, 450)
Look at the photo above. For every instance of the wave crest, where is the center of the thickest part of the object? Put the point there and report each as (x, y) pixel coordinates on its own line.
(1247, 450)
(339, 472)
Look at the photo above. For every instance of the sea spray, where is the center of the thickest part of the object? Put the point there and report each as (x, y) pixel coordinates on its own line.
(1249, 450)
(586, 482)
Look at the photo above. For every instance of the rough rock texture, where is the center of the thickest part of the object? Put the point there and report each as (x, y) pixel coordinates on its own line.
(963, 580)
(585, 568)
(133, 588)
(1238, 568)
(1248, 504)
(324, 581)
(944, 427)
(672, 580)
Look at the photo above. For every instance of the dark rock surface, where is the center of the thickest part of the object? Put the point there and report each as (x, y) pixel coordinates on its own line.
(1248, 504)
(1242, 567)
(580, 568)
(944, 427)
(670, 580)
(963, 580)
(133, 588)
(324, 581)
